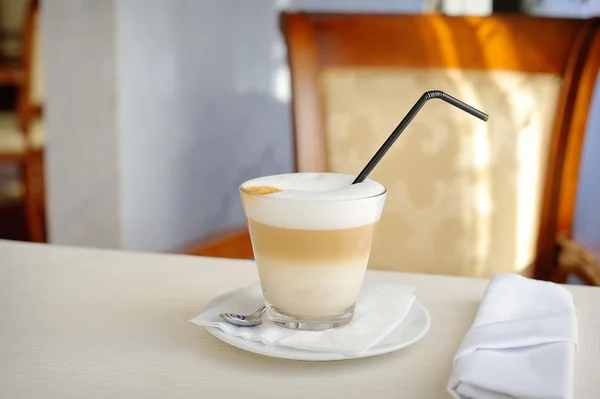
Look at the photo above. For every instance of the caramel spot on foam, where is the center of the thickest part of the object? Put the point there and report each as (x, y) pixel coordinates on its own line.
(262, 190)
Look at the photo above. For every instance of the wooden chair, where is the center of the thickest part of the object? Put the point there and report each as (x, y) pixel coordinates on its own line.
(22, 132)
(464, 197)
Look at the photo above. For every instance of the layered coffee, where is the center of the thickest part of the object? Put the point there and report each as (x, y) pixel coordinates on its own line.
(311, 234)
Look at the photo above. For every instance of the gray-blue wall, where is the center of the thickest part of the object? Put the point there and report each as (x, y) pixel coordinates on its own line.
(198, 102)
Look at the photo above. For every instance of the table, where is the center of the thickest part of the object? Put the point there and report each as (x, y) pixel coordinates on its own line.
(90, 323)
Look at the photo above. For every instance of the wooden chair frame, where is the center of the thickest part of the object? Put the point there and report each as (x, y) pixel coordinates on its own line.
(575, 254)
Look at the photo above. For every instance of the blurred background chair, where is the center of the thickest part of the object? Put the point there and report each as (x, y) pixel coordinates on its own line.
(464, 197)
(21, 130)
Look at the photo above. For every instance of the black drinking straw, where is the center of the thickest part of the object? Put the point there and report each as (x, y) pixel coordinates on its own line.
(406, 121)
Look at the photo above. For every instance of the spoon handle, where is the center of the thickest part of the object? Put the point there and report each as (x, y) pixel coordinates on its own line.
(260, 311)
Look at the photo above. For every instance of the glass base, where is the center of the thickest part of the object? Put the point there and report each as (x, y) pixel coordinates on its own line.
(309, 324)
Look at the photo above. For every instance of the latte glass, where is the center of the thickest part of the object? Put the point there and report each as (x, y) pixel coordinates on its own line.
(311, 253)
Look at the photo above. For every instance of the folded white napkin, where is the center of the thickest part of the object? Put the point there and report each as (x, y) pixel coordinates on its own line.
(380, 308)
(521, 344)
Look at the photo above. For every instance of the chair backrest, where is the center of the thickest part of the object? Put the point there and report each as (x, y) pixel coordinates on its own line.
(36, 67)
(31, 95)
(464, 197)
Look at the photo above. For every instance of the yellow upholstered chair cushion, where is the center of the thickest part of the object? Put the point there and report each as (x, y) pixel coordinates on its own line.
(464, 196)
(13, 141)
(37, 93)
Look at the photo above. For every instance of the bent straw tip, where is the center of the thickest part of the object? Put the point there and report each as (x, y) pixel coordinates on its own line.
(456, 102)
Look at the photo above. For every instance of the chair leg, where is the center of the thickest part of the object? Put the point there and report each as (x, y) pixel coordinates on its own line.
(575, 258)
(33, 179)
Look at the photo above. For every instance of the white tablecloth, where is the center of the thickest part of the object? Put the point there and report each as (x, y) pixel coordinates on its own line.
(86, 323)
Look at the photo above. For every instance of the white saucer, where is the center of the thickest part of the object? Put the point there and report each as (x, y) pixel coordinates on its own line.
(414, 327)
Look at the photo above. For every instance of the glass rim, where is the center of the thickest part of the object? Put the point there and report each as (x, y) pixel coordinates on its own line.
(241, 189)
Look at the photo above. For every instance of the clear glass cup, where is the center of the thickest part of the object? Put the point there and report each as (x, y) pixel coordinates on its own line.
(311, 255)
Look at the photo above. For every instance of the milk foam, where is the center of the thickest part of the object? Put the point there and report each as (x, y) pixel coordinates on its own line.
(315, 201)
